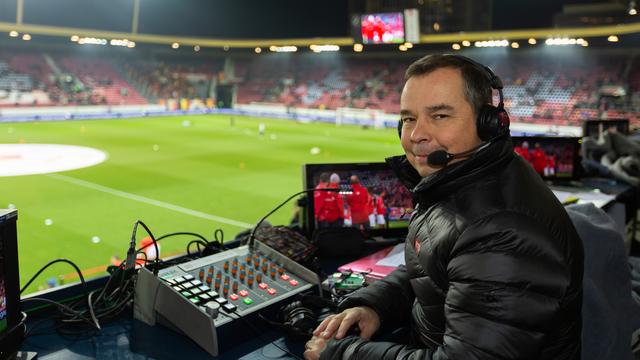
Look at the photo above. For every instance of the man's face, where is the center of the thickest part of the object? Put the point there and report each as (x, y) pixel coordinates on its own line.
(436, 116)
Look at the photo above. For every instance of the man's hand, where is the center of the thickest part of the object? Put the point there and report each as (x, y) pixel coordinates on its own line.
(314, 347)
(365, 317)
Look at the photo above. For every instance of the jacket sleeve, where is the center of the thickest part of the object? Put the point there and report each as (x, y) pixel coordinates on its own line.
(507, 276)
(391, 298)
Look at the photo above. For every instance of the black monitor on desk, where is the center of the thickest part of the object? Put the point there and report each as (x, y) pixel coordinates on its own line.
(380, 182)
(11, 329)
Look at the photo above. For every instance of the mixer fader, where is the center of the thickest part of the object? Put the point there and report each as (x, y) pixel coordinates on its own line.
(203, 295)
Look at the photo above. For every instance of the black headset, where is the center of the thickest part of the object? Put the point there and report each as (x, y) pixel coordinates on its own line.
(492, 121)
(299, 318)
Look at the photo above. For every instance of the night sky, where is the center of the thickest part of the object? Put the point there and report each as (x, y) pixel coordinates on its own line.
(244, 18)
(527, 14)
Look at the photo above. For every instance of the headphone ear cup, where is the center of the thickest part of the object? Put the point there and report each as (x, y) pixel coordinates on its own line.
(492, 122)
(299, 320)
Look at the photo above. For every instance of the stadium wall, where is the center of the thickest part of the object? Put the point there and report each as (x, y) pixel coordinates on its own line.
(370, 119)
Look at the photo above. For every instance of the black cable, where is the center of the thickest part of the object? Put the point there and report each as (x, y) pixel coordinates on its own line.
(198, 242)
(130, 261)
(202, 238)
(182, 233)
(219, 240)
(59, 305)
(131, 252)
(218, 237)
(123, 277)
(111, 300)
(155, 245)
(109, 308)
(141, 252)
(91, 312)
(49, 264)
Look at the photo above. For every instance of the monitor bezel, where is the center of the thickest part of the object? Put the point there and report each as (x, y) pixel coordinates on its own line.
(8, 234)
(308, 172)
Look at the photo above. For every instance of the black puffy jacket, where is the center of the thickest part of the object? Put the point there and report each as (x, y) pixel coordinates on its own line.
(493, 268)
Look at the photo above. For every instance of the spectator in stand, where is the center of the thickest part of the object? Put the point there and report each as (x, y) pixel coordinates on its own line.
(358, 202)
(330, 208)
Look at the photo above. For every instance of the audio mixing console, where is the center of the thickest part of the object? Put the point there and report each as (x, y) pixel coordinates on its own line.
(200, 296)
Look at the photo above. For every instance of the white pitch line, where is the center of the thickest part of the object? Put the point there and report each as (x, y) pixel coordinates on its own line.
(149, 201)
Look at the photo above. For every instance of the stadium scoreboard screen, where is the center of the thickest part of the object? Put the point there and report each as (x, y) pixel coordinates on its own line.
(386, 28)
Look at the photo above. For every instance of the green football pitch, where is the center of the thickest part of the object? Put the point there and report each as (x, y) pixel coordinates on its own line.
(184, 173)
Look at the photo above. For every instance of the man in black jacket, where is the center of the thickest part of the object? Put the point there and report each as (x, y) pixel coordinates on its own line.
(493, 263)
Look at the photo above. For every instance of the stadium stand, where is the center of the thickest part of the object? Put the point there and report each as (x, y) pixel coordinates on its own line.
(24, 80)
(564, 91)
(96, 81)
(164, 79)
(540, 88)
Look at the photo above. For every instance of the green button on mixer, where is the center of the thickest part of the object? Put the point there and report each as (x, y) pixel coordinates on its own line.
(247, 301)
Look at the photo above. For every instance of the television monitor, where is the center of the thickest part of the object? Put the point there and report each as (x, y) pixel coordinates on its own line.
(592, 128)
(554, 158)
(389, 204)
(10, 318)
(384, 28)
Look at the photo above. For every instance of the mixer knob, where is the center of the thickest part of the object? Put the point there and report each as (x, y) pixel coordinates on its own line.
(212, 308)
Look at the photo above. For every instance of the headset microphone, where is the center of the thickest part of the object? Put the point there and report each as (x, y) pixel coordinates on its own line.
(442, 157)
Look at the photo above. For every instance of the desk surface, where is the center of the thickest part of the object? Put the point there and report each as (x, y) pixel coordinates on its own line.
(126, 338)
(601, 192)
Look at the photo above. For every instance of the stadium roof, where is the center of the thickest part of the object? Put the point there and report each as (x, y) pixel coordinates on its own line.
(238, 24)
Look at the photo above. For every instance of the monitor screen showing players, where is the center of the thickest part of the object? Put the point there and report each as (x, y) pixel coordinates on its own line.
(387, 28)
(551, 157)
(370, 198)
